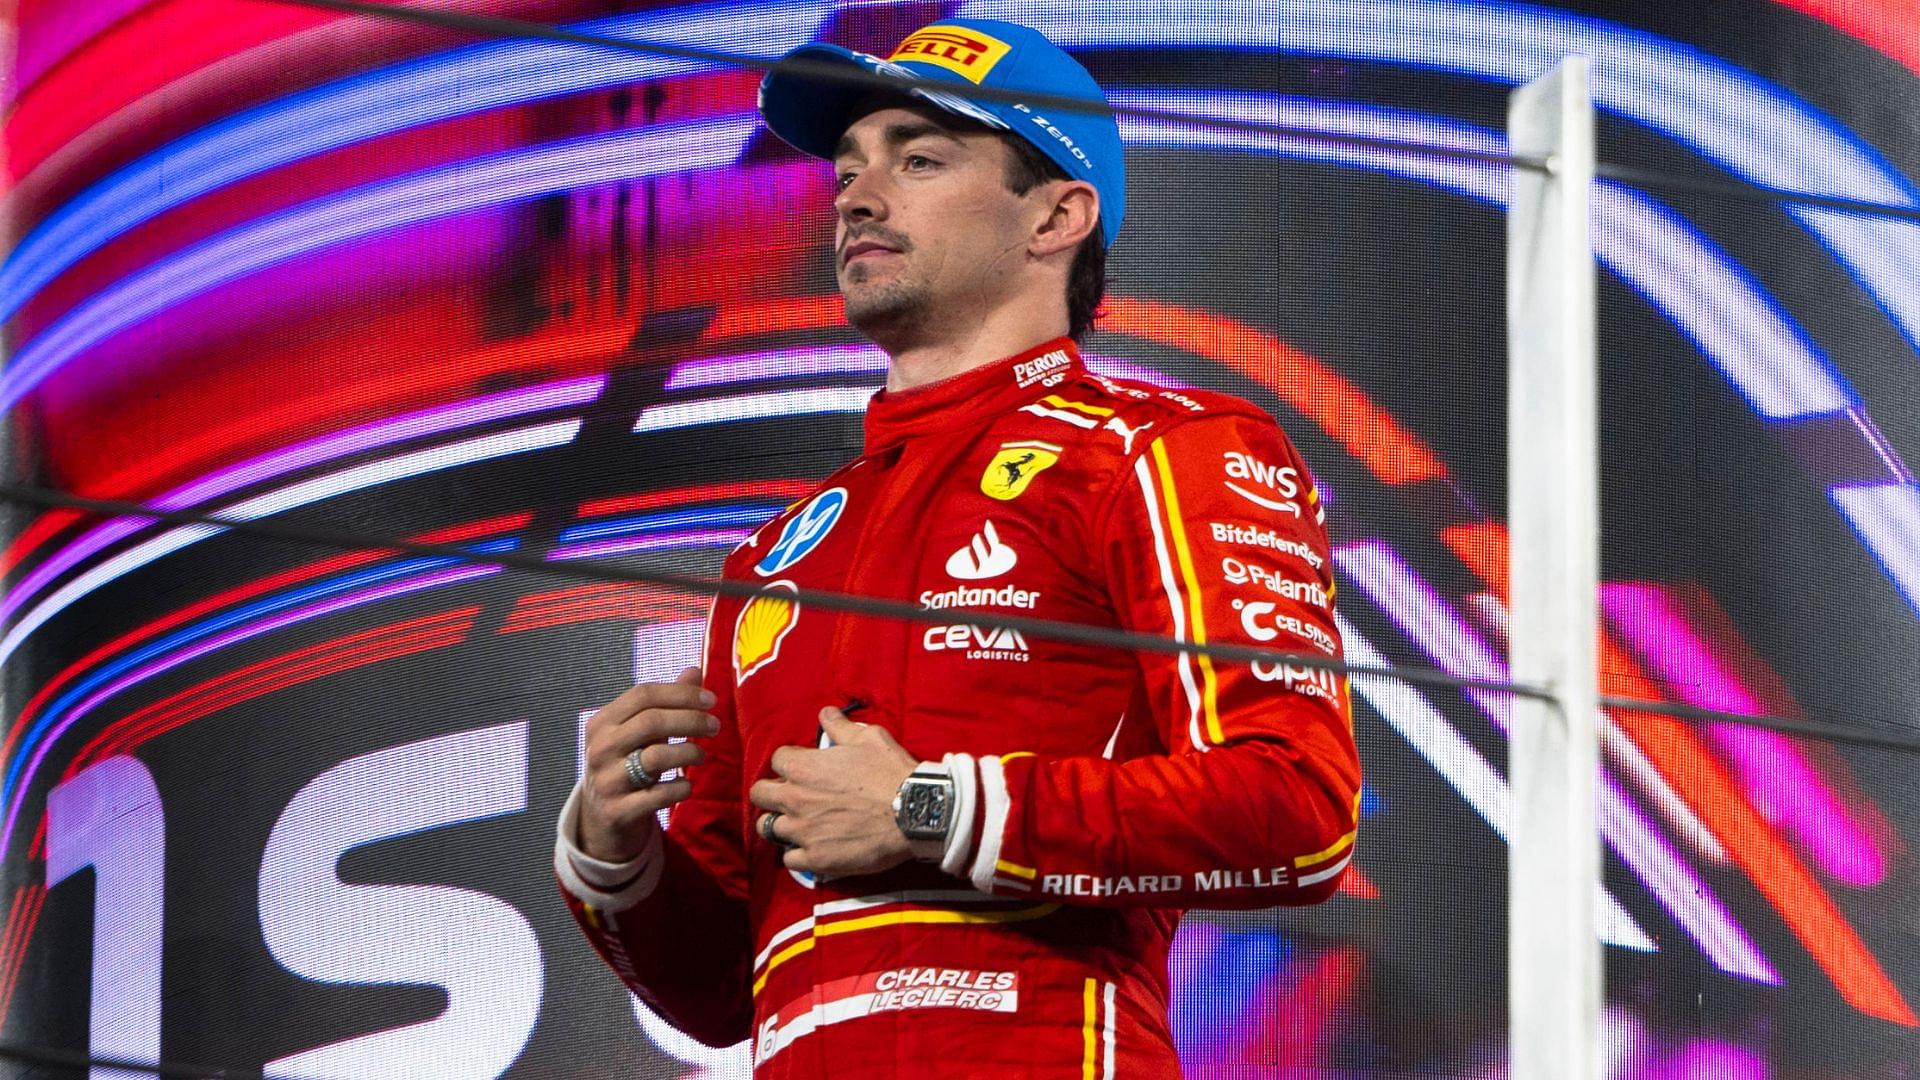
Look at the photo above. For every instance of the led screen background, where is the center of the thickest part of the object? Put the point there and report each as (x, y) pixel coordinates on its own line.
(265, 803)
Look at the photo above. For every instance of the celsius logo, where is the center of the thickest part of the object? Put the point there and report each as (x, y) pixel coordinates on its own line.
(1251, 614)
(984, 557)
(1283, 480)
(804, 531)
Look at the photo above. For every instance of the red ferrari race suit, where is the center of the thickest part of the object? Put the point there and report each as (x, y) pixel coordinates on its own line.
(1100, 792)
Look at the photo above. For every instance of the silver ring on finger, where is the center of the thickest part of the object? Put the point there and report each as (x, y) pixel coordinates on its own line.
(766, 830)
(637, 773)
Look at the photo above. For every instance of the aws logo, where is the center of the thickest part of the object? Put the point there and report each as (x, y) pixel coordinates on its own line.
(1281, 480)
(763, 624)
(968, 53)
(1015, 466)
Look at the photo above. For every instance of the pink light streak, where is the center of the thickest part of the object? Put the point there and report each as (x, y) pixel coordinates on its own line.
(304, 455)
(1444, 635)
(1784, 785)
(241, 633)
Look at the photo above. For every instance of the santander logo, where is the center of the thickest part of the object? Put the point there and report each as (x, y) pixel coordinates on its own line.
(984, 557)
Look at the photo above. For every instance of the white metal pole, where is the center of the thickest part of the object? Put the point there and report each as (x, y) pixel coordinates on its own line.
(1554, 963)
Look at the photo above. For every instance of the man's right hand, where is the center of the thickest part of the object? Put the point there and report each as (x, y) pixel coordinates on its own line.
(615, 819)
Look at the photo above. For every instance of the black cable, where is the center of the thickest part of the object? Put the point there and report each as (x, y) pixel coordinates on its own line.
(41, 1055)
(1634, 176)
(1812, 729)
(497, 27)
(1102, 636)
(1081, 633)
(1668, 183)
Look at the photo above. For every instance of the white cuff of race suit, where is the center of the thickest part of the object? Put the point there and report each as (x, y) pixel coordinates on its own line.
(979, 790)
(602, 885)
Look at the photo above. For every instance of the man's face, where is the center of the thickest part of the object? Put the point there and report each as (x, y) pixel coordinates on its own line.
(927, 228)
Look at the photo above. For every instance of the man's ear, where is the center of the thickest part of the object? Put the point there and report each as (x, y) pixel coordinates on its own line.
(1073, 213)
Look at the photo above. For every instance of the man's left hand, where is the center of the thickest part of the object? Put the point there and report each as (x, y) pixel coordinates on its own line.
(834, 807)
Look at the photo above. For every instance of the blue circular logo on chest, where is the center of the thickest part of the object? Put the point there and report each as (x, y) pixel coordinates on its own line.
(804, 531)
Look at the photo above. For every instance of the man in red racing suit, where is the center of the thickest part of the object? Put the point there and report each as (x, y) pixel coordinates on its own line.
(1100, 792)
(1055, 805)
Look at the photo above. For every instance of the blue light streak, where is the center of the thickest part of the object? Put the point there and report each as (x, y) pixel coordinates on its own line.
(378, 103)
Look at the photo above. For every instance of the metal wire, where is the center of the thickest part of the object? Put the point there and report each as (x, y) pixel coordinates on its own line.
(497, 27)
(1645, 179)
(1667, 183)
(1812, 729)
(493, 26)
(1081, 633)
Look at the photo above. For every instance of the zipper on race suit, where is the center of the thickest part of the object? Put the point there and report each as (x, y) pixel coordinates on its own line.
(891, 491)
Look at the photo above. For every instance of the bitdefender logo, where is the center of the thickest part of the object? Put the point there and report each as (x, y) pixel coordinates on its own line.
(984, 557)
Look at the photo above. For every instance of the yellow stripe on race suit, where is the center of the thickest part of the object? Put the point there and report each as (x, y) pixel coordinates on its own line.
(1059, 402)
(896, 918)
(1338, 846)
(1001, 864)
(779, 958)
(1089, 1058)
(1210, 684)
(899, 918)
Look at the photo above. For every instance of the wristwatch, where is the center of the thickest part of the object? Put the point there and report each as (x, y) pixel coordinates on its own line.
(923, 807)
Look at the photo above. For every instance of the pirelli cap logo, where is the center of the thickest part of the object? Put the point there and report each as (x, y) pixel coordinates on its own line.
(1014, 467)
(964, 52)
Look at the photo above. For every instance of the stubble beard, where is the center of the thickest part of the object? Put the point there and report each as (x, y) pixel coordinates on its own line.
(890, 313)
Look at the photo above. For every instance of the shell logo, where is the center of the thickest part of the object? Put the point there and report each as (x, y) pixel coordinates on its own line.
(763, 624)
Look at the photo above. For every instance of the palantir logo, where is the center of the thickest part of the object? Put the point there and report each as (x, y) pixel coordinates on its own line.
(984, 557)
(804, 531)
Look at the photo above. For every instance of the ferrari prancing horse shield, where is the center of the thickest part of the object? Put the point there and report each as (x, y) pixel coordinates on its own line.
(1015, 466)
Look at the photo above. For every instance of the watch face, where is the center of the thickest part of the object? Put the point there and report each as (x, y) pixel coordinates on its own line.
(923, 808)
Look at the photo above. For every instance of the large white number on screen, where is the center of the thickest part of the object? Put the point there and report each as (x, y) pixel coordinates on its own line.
(476, 947)
(660, 652)
(109, 818)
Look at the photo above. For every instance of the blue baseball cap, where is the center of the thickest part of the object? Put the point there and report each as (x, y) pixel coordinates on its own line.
(812, 114)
